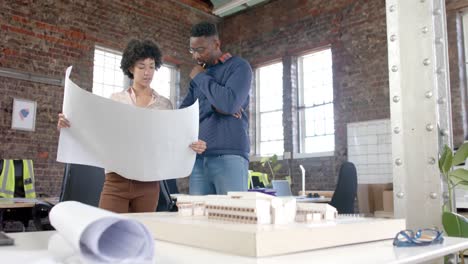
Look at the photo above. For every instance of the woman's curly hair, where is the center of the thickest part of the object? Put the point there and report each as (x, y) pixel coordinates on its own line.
(138, 50)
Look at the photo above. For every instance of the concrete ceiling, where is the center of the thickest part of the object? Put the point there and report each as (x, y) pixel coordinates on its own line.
(224, 8)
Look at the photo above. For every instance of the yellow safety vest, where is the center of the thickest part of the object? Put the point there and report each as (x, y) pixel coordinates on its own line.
(7, 179)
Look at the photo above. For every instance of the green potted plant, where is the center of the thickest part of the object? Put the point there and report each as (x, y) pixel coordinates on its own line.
(457, 177)
(454, 224)
(272, 164)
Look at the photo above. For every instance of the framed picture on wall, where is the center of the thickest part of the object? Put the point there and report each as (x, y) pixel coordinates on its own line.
(24, 114)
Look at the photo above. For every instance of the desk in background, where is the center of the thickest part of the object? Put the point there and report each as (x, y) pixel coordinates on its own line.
(323, 196)
(326, 194)
(23, 206)
(9, 203)
(32, 247)
(306, 199)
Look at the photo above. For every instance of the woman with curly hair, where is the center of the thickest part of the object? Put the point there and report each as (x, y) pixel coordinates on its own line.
(141, 58)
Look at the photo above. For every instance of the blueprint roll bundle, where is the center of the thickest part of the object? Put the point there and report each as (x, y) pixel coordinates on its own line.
(98, 236)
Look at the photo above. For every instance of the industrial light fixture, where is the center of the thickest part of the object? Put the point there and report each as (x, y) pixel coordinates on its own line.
(228, 6)
(28, 76)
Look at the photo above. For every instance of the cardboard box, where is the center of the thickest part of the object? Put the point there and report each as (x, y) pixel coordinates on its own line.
(370, 197)
(387, 198)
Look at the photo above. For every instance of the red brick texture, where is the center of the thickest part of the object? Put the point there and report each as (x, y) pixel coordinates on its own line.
(356, 32)
(458, 82)
(45, 37)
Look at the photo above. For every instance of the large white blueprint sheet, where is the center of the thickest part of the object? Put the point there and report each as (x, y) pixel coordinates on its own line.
(137, 143)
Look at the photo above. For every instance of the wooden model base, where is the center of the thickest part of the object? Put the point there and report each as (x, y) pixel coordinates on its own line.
(266, 240)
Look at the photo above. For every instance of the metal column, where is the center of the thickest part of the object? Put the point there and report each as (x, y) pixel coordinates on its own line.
(419, 106)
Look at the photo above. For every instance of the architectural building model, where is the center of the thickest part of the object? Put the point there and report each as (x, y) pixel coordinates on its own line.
(307, 212)
(253, 208)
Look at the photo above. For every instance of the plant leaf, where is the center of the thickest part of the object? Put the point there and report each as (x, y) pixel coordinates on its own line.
(443, 157)
(461, 174)
(445, 161)
(462, 185)
(446, 208)
(274, 159)
(277, 167)
(461, 155)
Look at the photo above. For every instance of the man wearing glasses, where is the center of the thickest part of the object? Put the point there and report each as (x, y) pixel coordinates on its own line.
(221, 82)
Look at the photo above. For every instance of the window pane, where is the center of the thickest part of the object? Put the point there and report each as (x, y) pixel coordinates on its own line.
(107, 90)
(108, 78)
(330, 126)
(317, 123)
(271, 87)
(271, 147)
(320, 144)
(270, 94)
(98, 74)
(98, 58)
(271, 125)
(319, 120)
(162, 81)
(318, 78)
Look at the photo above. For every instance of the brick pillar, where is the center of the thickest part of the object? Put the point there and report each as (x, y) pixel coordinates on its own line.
(458, 86)
(290, 121)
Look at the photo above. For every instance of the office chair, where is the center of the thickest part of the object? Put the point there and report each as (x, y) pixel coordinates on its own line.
(256, 183)
(40, 215)
(82, 183)
(257, 179)
(346, 189)
(165, 202)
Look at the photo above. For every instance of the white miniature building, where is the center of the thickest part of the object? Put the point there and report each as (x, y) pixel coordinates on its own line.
(254, 208)
(283, 210)
(250, 209)
(189, 205)
(307, 212)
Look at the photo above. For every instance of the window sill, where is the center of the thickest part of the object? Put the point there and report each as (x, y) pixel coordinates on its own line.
(257, 158)
(314, 155)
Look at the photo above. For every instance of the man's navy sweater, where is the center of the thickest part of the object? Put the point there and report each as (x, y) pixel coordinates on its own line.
(224, 87)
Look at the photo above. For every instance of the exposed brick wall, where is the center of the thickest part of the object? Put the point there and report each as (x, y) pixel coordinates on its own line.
(455, 4)
(39, 145)
(356, 32)
(458, 82)
(45, 37)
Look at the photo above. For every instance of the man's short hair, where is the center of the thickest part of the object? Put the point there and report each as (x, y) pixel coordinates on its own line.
(204, 29)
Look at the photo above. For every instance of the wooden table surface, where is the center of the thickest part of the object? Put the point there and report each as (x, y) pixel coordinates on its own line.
(6, 203)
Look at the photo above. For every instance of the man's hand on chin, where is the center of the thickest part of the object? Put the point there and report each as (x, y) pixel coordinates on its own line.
(196, 70)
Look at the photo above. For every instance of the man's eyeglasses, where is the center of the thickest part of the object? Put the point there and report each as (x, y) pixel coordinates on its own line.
(197, 50)
(422, 237)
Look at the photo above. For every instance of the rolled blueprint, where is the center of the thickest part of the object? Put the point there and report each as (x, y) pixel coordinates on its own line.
(99, 236)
